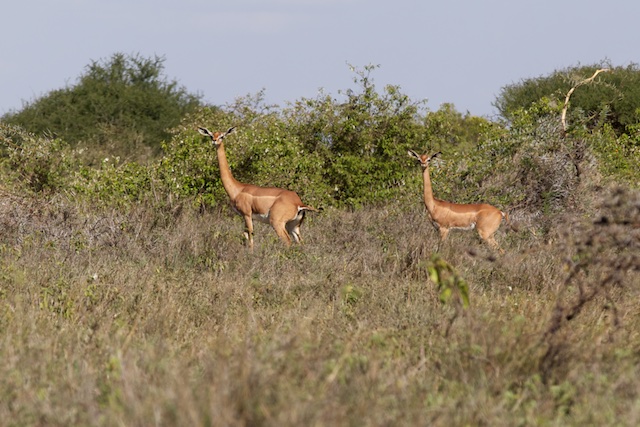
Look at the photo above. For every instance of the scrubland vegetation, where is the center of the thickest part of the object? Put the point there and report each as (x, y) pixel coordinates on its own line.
(127, 296)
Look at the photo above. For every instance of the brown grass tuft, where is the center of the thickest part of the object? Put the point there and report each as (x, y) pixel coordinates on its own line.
(148, 317)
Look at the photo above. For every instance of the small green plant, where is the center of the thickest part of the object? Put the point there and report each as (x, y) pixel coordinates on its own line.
(452, 288)
(350, 296)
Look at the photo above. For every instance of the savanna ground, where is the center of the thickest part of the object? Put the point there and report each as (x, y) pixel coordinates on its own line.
(143, 317)
(127, 296)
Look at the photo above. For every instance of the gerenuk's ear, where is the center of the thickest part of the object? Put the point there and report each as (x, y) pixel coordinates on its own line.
(205, 131)
(434, 155)
(413, 154)
(231, 129)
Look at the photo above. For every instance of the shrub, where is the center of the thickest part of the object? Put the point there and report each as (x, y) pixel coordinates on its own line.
(532, 170)
(34, 163)
(619, 155)
(335, 153)
(119, 106)
(612, 98)
(115, 182)
(362, 140)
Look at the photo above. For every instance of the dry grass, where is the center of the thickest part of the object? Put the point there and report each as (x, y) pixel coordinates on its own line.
(164, 318)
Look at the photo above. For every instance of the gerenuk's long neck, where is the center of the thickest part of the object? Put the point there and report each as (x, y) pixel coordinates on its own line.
(429, 201)
(231, 186)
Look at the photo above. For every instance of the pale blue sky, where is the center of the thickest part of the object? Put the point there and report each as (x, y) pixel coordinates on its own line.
(458, 51)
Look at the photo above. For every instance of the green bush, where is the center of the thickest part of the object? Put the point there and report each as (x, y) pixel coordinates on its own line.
(532, 166)
(364, 139)
(611, 98)
(331, 153)
(116, 182)
(34, 163)
(334, 152)
(119, 106)
(619, 156)
(189, 167)
(344, 153)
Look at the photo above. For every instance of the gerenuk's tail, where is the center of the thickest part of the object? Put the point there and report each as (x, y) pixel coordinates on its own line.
(505, 216)
(308, 208)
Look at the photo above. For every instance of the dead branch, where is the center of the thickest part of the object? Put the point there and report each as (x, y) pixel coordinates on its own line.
(566, 100)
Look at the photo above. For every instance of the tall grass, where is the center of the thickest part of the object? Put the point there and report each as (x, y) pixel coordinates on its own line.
(147, 317)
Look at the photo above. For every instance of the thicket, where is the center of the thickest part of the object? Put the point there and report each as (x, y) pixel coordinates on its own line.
(612, 99)
(347, 151)
(119, 106)
(602, 113)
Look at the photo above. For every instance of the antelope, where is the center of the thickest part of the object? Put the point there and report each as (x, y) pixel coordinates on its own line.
(446, 215)
(281, 208)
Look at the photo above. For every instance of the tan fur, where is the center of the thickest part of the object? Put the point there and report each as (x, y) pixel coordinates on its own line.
(447, 215)
(281, 208)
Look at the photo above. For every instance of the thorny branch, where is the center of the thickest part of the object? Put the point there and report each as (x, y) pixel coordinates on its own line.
(610, 242)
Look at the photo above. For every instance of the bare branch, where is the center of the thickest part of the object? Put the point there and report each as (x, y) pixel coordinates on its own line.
(566, 100)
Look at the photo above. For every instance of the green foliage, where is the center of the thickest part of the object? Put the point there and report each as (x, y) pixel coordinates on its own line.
(452, 288)
(350, 296)
(273, 156)
(345, 154)
(448, 129)
(34, 163)
(612, 98)
(620, 156)
(115, 183)
(531, 166)
(362, 140)
(189, 166)
(119, 106)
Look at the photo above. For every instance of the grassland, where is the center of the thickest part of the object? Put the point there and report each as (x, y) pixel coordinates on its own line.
(163, 317)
